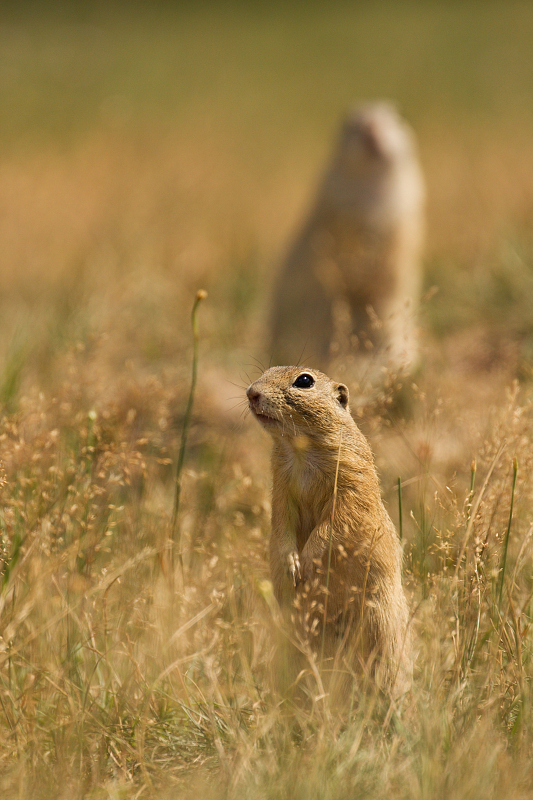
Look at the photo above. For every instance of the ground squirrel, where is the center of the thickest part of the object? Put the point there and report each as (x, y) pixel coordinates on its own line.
(354, 270)
(325, 489)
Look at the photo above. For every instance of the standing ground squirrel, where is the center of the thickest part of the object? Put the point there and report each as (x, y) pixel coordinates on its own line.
(355, 268)
(327, 507)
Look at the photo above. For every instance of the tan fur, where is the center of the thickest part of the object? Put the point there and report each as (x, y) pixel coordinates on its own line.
(355, 267)
(317, 445)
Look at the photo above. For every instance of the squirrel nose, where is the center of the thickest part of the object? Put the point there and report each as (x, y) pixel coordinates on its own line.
(252, 394)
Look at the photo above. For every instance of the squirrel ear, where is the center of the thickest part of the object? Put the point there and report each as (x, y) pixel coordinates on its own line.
(342, 394)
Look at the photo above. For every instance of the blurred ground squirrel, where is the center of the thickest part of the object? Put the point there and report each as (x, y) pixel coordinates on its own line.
(318, 446)
(355, 268)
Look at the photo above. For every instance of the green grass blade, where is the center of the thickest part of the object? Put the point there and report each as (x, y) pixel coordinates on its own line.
(506, 544)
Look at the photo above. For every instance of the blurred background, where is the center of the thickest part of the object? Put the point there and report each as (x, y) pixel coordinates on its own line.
(150, 150)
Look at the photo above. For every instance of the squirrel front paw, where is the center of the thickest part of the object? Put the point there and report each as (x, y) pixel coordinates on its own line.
(300, 568)
(293, 565)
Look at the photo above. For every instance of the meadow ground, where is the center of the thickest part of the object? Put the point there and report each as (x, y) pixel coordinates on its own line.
(146, 155)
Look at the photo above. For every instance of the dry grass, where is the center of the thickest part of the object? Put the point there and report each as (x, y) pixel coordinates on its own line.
(123, 677)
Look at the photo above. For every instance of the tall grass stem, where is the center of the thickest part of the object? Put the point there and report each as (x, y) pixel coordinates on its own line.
(473, 467)
(174, 530)
(475, 507)
(330, 547)
(400, 509)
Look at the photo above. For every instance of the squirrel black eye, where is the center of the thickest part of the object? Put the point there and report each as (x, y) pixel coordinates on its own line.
(304, 381)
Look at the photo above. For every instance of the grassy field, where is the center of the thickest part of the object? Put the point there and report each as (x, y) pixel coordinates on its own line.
(147, 154)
